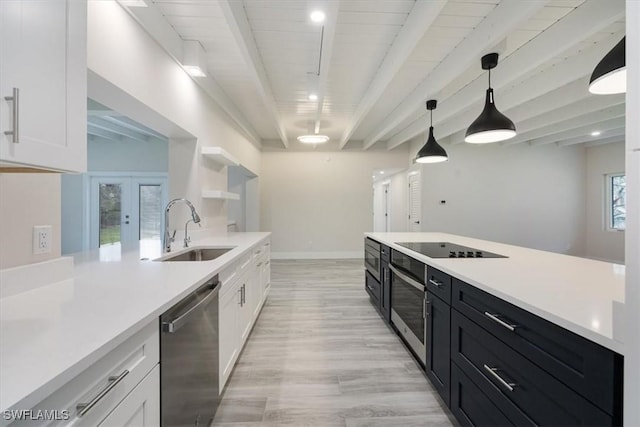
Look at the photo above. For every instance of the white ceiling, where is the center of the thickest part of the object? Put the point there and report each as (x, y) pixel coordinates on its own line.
(382, 59)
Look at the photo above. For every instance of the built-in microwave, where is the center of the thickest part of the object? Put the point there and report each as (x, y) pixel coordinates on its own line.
(408, 301)
(372, 257)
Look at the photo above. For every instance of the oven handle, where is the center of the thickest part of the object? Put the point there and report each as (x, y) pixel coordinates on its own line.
(407, 279)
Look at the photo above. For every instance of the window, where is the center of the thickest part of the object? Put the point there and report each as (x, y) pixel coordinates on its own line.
(616, 201)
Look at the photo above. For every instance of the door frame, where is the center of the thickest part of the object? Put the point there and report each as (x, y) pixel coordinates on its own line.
(410, 177)
(133, 179)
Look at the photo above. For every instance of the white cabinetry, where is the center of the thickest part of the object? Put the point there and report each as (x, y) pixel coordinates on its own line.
(141, 408)
(119, 384)
(43, 63)
(229, 342)
(241, 298)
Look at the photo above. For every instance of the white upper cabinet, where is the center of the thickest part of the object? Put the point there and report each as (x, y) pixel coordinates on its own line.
(43, 61)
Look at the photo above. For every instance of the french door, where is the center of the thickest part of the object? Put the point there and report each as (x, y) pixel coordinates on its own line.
(126, 209)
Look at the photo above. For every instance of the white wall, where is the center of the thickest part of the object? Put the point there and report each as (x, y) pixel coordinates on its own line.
(132, 74)
(319, 204)
(127, 155)
(600, 242)
(27, 200)
(531, 196)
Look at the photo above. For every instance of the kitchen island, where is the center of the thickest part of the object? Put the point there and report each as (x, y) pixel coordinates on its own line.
(50, 334)
(524, 338)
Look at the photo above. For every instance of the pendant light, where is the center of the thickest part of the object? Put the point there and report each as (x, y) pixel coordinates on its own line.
(610, 75)
(491, 125)
(431, 152)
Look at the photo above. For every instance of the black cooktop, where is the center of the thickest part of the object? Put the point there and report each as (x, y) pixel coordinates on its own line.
(447, 250)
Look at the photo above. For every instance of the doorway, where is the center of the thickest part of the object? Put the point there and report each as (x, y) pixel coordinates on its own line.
(126, 208)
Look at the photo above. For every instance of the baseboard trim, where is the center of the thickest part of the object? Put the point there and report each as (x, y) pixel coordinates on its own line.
(318, 255)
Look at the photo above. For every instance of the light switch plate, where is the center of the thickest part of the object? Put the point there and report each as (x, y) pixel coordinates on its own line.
(41, 239)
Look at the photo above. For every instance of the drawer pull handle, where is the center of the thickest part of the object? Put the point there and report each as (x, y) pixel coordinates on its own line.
(436, 283)
(499, 321)
(83, 408)
(493, 371)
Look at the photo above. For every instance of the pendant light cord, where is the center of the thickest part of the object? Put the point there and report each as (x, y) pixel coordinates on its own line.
(489, 78)
(431, 118)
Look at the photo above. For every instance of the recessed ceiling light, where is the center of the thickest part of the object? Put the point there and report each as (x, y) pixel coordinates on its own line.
(133, 3)
(317, 16)
(381, 172)
(313, 97)
(595, 133)
(313, 139)
(195, 71)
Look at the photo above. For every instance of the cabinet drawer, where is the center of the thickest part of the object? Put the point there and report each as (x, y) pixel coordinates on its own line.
(131, 361)
(385, 252)
(372, 287)
(229, 275)
(590, 369)
(439, 283)
(526, 394)
(472, 407)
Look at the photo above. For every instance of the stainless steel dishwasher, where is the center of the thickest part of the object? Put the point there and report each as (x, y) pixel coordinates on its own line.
(189, 359)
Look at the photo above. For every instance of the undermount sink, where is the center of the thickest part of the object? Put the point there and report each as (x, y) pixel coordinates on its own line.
(198, 254)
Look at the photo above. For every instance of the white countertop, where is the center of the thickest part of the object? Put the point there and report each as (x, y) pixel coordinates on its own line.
(50, 334)
(582, 295)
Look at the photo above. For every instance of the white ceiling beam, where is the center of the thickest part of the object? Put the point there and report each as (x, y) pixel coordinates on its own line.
(131, 125)
(153, 21)
(452, 119)
(586, 20)
(603, 141)
(99, 123)
(102, 133)
(613, 135)
(415, 27)
(241, 29)
(505, 18)
(583, 131)
(103, 113)
(329, 32)
(541, 128)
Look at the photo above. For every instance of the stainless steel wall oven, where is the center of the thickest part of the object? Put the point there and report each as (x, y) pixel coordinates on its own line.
(408, 301)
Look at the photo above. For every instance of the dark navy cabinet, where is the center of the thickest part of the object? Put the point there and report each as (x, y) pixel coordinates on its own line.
(438, 366)
(496, 364)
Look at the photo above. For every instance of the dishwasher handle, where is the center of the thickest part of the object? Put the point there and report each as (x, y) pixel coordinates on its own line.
(175, 324)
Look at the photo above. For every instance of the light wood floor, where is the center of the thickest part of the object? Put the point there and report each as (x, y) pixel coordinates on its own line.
(320, 355)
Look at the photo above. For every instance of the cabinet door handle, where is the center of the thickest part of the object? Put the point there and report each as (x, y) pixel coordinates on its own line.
(427, 303)
(501, 322)
(15, 133)
(240, 295)
(83, 408)
(435, 283)
(244, 294)
(493, 371)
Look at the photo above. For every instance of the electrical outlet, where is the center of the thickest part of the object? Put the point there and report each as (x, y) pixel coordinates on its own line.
(41, 239)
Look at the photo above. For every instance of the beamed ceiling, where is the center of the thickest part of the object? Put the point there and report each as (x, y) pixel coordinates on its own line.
(374, 63)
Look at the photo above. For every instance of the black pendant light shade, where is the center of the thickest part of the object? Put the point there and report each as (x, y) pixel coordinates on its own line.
(610, 75)
(491, 125)
(431, 152)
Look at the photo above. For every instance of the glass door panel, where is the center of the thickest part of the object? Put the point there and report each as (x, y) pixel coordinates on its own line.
(150, 205)
(110, 213)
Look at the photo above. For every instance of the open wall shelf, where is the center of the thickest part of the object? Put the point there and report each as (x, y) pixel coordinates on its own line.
(220, 195)
(219, 155)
